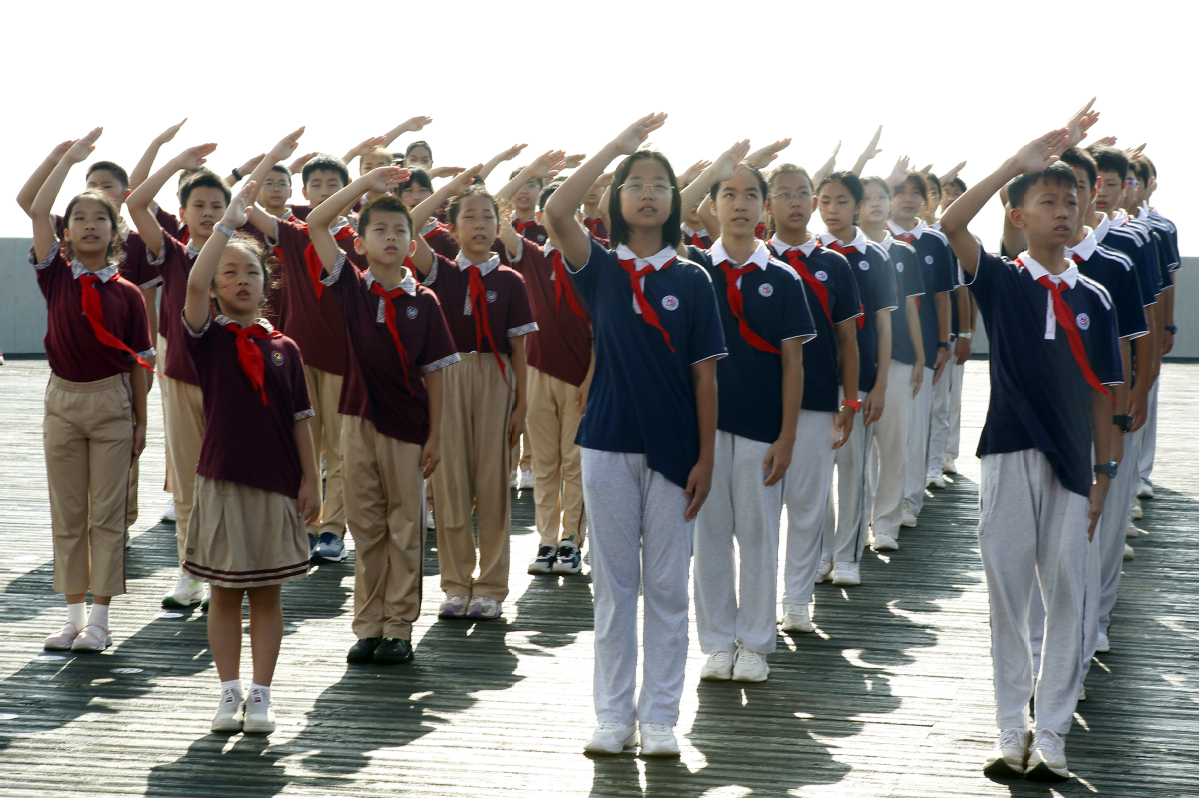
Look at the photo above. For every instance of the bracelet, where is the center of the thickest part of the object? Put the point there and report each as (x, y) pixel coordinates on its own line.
(1171, 328)
(229, 232)
(236, 174)
(966, 335)
(853, 404)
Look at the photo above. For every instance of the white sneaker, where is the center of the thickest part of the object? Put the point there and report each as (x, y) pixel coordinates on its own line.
(92, 638)
(1131, 531)
(797, 618)
(846, 573)
(749, 666)
(1009, 755)
(230, 714)
(63, 638)
(484, 608)
(611, 738)
(429, 522)
(453, 607)
(168, 515)
(909, 518)
(187, 592)
(526, 480)
(1144, 490)
(822, 572)
(514, 479)
(718, 668)
(657, 739)
(1128, 552)
(259, 716)
(1102, 644)
(950, 465)
(935, 479)
(1137, 511)
(1047, 757)
(1082, 692)
(884, 543)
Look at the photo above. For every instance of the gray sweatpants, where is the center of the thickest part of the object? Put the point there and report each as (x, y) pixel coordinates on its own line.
(918, 428)
(640, 543)
(1148, 432)
(887, 465)
(740, 507)
(846, 540)
(1033, 532)
(805, 491)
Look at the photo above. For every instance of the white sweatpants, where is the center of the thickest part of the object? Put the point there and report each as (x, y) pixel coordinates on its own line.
(1113, 525)
(953, 444)
(918, 428)
(740, 507)
(845, 540)
(1033, 532)
(805, 491)
(1149, 439)
(640, 543)
(939, 420)
(886, 470)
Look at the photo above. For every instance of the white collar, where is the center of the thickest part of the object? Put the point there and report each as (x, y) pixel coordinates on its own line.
(1036, 271)
(860, 242)
(688, 232)
(1085, 248)
(484, 268)
(222, 320)
(430, 226)
(1101, 229)
(916, 231)
(658, 261)
(759, 258)
(193, 251)
(408, 283)
(1120, 218)
(782, 246)
(339, 226)
(1143, 213)
(105, 274)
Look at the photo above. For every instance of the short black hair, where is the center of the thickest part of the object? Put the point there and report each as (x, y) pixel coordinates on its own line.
(875, 180)
(1076, 156)
(1149, 163)
(934, 182)
(324, 162)
(283, 170)
(618, 230)
(203, 178)
(847, 179)
(546, 193)
(416, 145)
(387, 203)
(108, 166)
(473, 190)
(1109, 159)
(920, 181)
(762, 184)
(959, 183)
(1143, 170)
(417, 177)
(1060, 173)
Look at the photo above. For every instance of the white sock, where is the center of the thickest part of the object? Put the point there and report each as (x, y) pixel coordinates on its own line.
(262, 690)
(234, 685)
(75, 614)
(98, 616)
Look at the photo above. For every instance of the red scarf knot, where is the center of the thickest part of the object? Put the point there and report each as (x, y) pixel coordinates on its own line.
(1065, 317)
(249, 356)
(737, 304)
(647, 310)
(94, 311)
(313, 261)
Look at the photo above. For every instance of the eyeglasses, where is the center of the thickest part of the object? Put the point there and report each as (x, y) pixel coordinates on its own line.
(274, 184)
(658, 190)
(786, 196)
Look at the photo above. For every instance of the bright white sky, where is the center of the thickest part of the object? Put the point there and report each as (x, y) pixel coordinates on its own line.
(950, 81)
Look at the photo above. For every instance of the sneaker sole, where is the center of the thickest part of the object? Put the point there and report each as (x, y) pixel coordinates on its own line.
(229, 725)
(1001, 769)
(257, 728)
(1042, 772)
(715, 677)
(478, 616)
(843, 582)
(450, 614)
(566, 569)
(655, 752)
(750, 680)
(794, 628)
(590, 748)
(540, 569)
(323, 558)
(170, 603)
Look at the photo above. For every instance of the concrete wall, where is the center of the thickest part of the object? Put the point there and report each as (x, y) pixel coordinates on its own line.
(23, 310)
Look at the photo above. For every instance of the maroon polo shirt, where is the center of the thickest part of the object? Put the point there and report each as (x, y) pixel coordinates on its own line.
(561, 347)
(174, 263)
(246, 441)
(74, 352)
(437, 236)
(508, 312)
(377, 385)
(170, 224)
(530, 230)
(596, 227)
(315, 325)
(301, 211)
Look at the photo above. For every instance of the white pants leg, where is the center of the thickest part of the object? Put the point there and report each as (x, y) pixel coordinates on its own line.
(918, 427)
(637, 524)
(953, 445)
(1033, 532)
(1149, 442)
(741, 507)
(938, 426)
(1113, 525)
(805, 491)
(845, 541)
(891, 441)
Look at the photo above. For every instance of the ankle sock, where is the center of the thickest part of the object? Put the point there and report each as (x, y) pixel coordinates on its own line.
(234, 685)
(76, 614)
(98, 616)
(262, 690)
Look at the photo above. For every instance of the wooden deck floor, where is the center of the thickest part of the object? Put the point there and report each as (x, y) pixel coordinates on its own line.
(891, 697)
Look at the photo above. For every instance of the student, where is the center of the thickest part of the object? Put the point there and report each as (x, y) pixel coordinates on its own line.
(417, 188)
(963, 338)
(929, 211)
(840, 198)
(487, 309)
(887, 467)
(1052, 334)
(524, 208)
(647, 465)
(824, 423)
(95, 423)
(559, 378)
(593, 214)
(391, 417)
(910, 195)
(766, 322)
(950, 191)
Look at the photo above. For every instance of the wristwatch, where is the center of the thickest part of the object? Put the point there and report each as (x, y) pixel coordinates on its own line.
(1124, 422)
(967, 335)
(236, 174)
(1171, 328)
(942, 344)
(1108, 470)
(853, 404)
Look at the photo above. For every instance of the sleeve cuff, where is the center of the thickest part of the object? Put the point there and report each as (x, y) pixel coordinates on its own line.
(716, 356)
(962, 276)
(335, 272)
(273, 241)
(437, 365)
(432, 271)
(195, 333)
(49, 258)
(803, 338)
(524, 329)
(303, 414)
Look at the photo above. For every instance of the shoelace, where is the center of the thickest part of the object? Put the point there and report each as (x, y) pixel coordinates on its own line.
(609, 726)
(655, 728)
(1011, 738)
(1049, 741)
(544, 551)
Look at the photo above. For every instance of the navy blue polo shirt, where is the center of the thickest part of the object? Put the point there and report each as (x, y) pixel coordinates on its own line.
(1169, 235)
(876, 287)
(642, 398)
(909, 281)
(1113, 270)
(936, 266)
(839, 289)
(1144, 264)
(1039, 397)
(751, 380)
(1144, 234)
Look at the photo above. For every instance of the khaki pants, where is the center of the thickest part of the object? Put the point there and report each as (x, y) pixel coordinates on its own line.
(476, 408)
(183, 412)
(552, 422)
(324, 390)
(88, 439)
(160, 360)
(384, 495)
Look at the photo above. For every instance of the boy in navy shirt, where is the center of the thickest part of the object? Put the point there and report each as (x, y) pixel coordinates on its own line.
(1053, 349)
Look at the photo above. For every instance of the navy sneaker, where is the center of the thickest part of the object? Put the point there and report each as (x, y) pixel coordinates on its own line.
(543, 563)
(567, 559)
(330, 547)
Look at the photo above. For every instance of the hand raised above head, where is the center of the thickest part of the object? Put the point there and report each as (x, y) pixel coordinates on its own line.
(631, 138)
(287, 145)
(194, 157)
(78, 152)
(1040, 153)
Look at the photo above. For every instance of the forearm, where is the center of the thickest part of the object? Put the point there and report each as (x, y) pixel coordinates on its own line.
(956, 221)
(961, 295)
(422, 212)
(1143, 348)
(433, 387)
(140, 379)
(44, 234)
(847, 355)
(142, 170)
(917, 335)
(29, 191)
(704, 380)
(307, 452)
(943, 316)
(143, 196)
(1101, 425)
(792, 354)
(150, 295)
(561, 206)
(519, 371)
(882, 320)
(196, 305)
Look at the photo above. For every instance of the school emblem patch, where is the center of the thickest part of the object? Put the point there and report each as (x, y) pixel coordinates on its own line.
(277, 358)
(863, 265)
(492, 296)
(1083, 321)
(928, 259)
(899, 266)
(821, 275)
(765, 289)
(411, 312)
(670, 302)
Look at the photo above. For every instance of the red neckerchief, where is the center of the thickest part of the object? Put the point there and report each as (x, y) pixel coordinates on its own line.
(1065, 317)
(313, 261)
(593, 226)
(249, 356)
(907, 237)
(521, 227)
(760, 231)
(837, 246)
(697, 241)
(94, 311)
(562, 285)
(389, 316)
(478, 301)
(798, 263)
(647, 310)
(737, 304)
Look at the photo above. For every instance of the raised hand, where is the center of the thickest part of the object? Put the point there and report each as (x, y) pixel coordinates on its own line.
(60, 150)
(827, 168)
(1038, 154)
(194, 157)
(1107, 141)
(384, 179)
(730, 162)
(297, 165)
(416, 123)
(900, 172)
(1082, 121)
(632, 136)
(236, 214)
(510, 153)
(78, 151)
(762, 158)
(247, 168)
(548, 164)
(287, 145)
(952, 173)
(605, 179)
(365, 146)
(872, 149)
(1136, 151)
(693, 171)
(927, 168)
(462, 181)
(445, 171)
(168, 134)
(573, 161)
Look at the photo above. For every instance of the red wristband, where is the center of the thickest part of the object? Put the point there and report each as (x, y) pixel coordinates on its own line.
(853, 404)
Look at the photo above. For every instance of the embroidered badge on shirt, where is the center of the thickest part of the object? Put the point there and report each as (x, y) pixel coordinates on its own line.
(411, 312)
(1083, 321)
(899, 266)
(928, 259)
(821, 275)
(277, 358)
(670, 302)
(863, 265)
(765, 289)
(492, 296)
